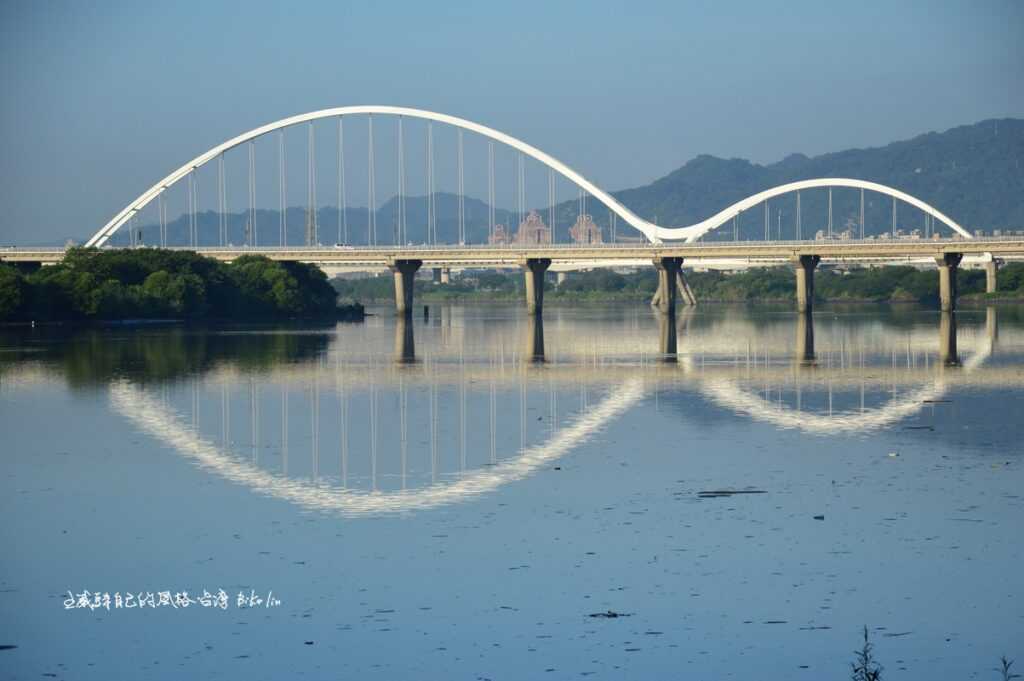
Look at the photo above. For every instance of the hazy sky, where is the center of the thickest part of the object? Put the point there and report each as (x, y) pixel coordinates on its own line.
(102, 99)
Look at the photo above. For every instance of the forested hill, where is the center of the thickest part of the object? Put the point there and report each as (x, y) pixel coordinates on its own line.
(973, 173)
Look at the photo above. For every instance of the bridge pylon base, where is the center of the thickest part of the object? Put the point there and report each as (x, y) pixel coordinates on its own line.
(991, 270)
(948, 264)
(668, 275)
(405, 275)
(804, 266)
(686, 294)
(533, 270)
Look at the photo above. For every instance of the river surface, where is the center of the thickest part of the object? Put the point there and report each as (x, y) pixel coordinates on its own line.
(733, 493)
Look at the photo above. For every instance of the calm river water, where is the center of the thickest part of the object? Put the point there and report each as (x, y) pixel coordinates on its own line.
(470, 496)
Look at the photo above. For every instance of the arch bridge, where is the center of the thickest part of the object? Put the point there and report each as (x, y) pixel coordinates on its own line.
(666, 246)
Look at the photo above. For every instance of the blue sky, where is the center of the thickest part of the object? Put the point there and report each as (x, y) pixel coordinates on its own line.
(100, 100)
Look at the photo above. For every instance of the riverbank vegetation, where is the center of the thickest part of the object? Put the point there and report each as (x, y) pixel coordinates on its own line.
(150, 283)
(777, 284)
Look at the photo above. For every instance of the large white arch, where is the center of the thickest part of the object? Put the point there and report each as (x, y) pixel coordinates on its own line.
(100, 238)
(696, 231)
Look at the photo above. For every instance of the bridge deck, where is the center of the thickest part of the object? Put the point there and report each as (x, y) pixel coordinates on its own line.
(510, 256)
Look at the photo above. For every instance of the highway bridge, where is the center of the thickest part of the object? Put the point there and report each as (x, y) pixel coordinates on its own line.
(945, 241)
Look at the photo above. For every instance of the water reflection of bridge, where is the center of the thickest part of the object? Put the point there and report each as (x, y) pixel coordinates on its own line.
(910, 372)
(458, 407)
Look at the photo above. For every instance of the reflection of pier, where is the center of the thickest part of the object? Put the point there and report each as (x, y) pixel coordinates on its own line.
(804, 338)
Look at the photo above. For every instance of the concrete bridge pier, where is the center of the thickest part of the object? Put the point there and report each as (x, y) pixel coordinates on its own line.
(948, 264)
(991, 268)
(562, 276)
(405, 274)
(534, 269)
(947, 339)
(685, 292)
(991, 324)
(668, 273)
(804, 265)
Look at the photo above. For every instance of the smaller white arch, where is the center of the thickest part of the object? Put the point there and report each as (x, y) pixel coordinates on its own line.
(693, 232)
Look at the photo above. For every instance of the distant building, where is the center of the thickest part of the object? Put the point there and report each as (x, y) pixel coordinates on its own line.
(532, 230)
(500, 236)
(585, 231)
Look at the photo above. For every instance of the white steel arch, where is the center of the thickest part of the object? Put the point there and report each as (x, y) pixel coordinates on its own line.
(648, 229)
(696, 231)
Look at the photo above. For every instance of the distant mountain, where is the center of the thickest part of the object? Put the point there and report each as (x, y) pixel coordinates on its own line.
(973, 173)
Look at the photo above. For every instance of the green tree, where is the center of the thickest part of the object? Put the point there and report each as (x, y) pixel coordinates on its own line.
(12, 293)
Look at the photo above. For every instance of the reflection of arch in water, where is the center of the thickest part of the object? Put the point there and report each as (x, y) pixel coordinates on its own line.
(728, 394)
(164, 424)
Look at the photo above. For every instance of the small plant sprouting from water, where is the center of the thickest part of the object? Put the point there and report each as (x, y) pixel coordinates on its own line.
(1007, 675)
(865, 667)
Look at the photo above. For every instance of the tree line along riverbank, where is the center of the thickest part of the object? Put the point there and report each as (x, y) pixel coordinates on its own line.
(157, 284)
(776, 284)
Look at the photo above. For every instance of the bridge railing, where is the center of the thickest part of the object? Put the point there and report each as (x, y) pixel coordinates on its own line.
(411, 248)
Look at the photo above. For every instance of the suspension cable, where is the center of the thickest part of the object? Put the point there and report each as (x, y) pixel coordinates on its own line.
(312, 236)
(282, 191)
(251, 236)
(799, 227)
(862, 213)
(162, 217)
(342, 199)
(551, 203)
(371, 207)
(462, 203)
(490, 190)
(222, 223)
(401, 182)
(520, 189)
(830, 212)
(193, 235)
(431, 226)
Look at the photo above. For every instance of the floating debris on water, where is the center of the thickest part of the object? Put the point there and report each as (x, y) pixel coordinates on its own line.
(718, 493)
